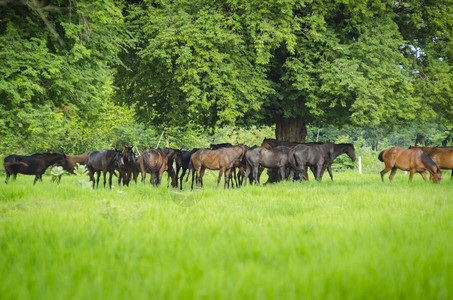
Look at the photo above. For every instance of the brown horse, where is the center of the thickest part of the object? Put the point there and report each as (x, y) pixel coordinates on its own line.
(72, 163)
(220, 159)
(154, 161)
(412, 160)
(272, 143)
(442, 156)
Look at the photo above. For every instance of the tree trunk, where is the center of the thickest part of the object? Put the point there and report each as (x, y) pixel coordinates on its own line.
(291, 129)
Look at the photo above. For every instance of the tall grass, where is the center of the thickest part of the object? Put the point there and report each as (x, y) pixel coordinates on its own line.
(352, 238)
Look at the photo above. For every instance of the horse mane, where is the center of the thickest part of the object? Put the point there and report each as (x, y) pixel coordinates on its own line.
(429, 162)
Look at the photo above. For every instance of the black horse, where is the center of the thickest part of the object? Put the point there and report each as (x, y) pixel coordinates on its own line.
(314, 155)
(183, 164)
(338, 149)
(35, 164)
(127, 168)
(256, 157)
(104, 161)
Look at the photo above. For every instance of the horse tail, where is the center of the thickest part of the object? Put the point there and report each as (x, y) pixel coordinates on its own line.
(380, 156)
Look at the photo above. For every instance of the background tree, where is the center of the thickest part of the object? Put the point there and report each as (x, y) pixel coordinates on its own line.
(288, 63)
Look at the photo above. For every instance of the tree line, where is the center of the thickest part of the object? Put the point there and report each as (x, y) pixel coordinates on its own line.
(77, 74)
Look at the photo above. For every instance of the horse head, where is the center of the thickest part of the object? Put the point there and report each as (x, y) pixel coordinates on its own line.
(436, 177)
(351, 152)
(118, 158)
(128, 156)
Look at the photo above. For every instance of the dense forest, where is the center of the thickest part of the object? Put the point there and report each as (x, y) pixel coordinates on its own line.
(79, 75)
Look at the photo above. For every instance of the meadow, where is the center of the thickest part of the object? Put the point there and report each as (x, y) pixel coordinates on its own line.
(354, 238)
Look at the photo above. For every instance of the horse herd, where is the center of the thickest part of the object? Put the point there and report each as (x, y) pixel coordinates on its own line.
(283, 160)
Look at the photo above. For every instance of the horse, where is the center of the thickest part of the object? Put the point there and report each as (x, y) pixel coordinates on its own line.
(72, 160)
(236, 164)
(103, 161)
(183, 164)
(412, 160)
(154, 161)
(35, 164)
(256, 157)
(338, 149)
(442, 156)
(221, 159)
(127, 168)
(314, 155)
(177, 157)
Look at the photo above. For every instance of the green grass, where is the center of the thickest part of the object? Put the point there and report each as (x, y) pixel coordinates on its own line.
(354, 238)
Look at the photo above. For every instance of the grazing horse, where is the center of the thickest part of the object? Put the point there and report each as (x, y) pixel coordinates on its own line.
(412, 160)
(184, 164)
(127, 168)
(103, 161)
(35, 164)
(154, 161)
(221, 159)
(442, 156)
(256, 157)
(314, 155)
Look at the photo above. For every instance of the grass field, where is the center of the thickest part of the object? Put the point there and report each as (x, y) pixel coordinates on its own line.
(354, 238)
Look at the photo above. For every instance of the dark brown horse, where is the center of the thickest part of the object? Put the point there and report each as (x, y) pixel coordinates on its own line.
(154, 161)
(412, 160)
(220, 159)
(256, 157)
(316, 156)
(128, 165)
(442, 156)
(103, 161)
(35, 164)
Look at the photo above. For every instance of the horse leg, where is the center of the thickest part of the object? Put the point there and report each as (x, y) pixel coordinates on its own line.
(36, 179)
(283, 172)
(411, 174)
(193, 176)
(180, 179)
(7, 177)
(392, 174)
(383, 172)
(110, 179)
(319, 171)
(203, 169)
(227, 179)
(256, 174)
(423, 175)
(221, 171)
(105, 178)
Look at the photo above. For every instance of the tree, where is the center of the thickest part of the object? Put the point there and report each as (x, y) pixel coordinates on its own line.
(288, 63)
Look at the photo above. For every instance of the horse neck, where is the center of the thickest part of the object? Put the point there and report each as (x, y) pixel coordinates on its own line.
(429, 164)
(339, 149)
(51, 159)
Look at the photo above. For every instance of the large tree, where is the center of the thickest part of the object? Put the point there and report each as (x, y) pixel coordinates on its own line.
(289, 63)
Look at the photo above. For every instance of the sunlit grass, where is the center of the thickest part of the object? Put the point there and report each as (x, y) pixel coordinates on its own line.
(355, 238)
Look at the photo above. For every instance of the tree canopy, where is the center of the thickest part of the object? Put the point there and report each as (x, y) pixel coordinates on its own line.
(339, 62)
(199, 63)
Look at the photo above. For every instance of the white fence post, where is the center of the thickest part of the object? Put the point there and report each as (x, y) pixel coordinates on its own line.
(360, 165)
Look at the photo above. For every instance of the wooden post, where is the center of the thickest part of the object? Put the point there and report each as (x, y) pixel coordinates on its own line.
(360, 165)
